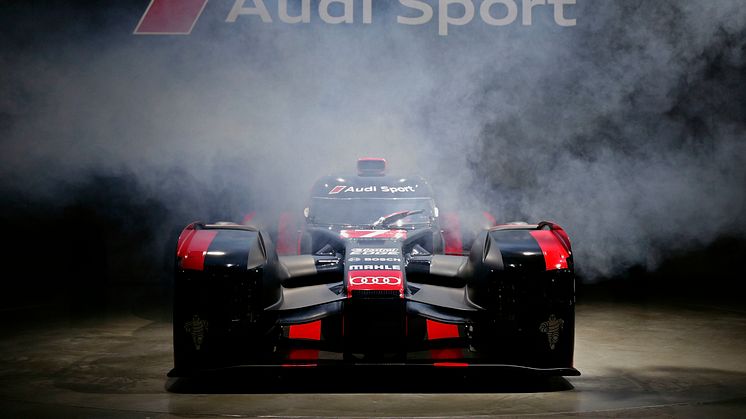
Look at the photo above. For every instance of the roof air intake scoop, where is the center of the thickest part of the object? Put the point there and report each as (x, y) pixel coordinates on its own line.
(370, 166)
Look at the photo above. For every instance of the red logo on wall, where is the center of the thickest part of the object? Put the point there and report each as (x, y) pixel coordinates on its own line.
(170, 17)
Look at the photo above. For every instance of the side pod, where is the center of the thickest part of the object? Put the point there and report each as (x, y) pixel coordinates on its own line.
(523, 278)
(225, 279)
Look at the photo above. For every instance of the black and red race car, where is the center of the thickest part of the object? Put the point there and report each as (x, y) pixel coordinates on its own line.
(379, 278)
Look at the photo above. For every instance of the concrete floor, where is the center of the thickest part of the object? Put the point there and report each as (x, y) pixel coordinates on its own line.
(637, 360)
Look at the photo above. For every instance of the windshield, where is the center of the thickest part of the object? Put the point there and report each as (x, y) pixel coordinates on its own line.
(365, 211)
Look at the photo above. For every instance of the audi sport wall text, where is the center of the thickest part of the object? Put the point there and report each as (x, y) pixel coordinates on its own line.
(165, 17)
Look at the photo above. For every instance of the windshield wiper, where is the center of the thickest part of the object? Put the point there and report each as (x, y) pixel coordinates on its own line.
(386, 220)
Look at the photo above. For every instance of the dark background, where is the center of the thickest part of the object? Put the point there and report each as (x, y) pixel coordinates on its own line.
(627, 129)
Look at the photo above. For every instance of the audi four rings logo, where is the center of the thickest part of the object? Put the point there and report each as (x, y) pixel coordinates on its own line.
(375, 280)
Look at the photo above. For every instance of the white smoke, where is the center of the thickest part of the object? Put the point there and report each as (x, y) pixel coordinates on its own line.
(613, 128)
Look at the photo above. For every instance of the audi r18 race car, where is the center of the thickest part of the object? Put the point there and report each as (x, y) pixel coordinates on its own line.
(379, 278)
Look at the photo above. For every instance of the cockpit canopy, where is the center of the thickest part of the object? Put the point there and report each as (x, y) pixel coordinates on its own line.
(360, 200)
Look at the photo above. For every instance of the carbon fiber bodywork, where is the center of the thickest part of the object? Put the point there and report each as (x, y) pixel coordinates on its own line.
(380, 295)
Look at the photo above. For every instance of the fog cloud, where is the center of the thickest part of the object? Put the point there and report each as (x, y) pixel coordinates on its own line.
(627, 128)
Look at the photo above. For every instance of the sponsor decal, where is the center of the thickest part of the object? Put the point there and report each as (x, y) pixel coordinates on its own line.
(335, 190)
(197, 327)
(375, 280)
(398, 189)
(373, 259)
(375, 267)
(374, 251)
(370, 279)
(552, 328)
(365, 189)
(373, 234)
(381, 260)
(173, 17)
(555, 253)
(170, 17)
(193, 247)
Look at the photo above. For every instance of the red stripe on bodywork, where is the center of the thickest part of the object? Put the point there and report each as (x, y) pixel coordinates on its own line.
(490, 218)
(184, 239)
(450, 353)
(248, 217)
(306, 331)
(438, 330)
(452, 234)
(555, 253)
(286, 242)
(450, 364)
(194, 249)
(309, 331)
(164, 17)
(560, 232)
(337, 189)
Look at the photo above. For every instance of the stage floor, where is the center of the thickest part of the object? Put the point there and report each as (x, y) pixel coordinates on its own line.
(679, 359)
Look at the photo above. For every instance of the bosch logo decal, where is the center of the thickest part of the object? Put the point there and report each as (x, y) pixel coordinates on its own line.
(373, 259)
(356, 259)
(375, 280)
